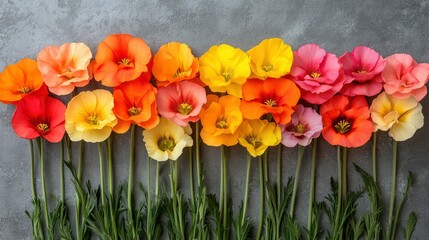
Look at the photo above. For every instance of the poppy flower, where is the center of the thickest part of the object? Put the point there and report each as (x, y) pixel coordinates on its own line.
(257, 135)
(317, 73)
(174, 62)
(401, 117)
(19, 80)
(404, 77)
(220, 118)
(39, 116)
(270, 58)
(167, 140)
(275, 96)
(181, 102)
(224, 69)
(346, 121)
(89, 116)
(65, 67)
(122, 58)
(362, 68)
(306, 124)
(135, 103)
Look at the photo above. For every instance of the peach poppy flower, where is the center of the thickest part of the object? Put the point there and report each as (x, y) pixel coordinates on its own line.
(220, 118)
(224, 69)
(20, 79)
(65, 67)
(122, 58)
(257, 135)
(89, 116)
(174, 62)
(135, 103)
(275, 96)
(270, 58)
(346, 121)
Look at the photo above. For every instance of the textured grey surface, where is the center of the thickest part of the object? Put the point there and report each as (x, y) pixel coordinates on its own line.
(387, 26)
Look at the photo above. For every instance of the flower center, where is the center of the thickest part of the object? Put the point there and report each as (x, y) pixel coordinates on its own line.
(93, 120)
(125, 61)
(24, 90)
(184, 108)
(222, 124)
(253, 140)
(134, 111)
(315, 74)
(271, 103)
(300, 128)
(267, 67)
(227, 76)
(43, 127)
(361, 71)
(179, 73)
(166, 143)
(343, 126)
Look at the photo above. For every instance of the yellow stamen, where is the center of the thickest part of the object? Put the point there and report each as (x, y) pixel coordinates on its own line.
(253, 140)
(43, 127)
(125, 61)
(315, 74)
(166, 143)
(343, 126)
(134, 111)
(93, 120)
(184, 108)
(24, 90)
(300, 128)
(361, 71)
(222, 124)
(227, 76)
(271, 103)
(267, 67)
(179, 73)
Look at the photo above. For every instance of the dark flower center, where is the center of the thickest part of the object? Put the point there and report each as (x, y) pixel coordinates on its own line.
(267, 67)
(133, 111)
(184, 108)
(253, 140)
(24, 90)
(179, 73)
(43, 127)
(166, 143)
(222, 123)
(343, 126)
(93, 120)
(271, 102)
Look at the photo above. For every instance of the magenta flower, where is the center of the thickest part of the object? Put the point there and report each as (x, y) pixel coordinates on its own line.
(362, 68)
(317, 73)
(404, 77)
(305, 125)
(181, 102)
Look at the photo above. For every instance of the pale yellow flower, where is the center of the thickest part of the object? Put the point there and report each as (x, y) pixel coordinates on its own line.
(89, 116)
(402, 117)
(167, 140)
(257, 135)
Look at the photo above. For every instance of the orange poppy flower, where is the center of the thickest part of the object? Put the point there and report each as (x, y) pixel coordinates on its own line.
(346, 121)
(275, 96)
(135, 103)
(122, 58)
(174, 62)
(20, 79)
(220, 118)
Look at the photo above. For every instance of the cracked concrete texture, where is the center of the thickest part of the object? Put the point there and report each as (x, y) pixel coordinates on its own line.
(338, 26)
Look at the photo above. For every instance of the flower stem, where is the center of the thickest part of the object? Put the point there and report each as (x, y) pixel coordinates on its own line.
(390, 233)
(261, 197)
(191, 177)
(246, 192)
(130, 180)
(33, 180)
(79, 177)
(100, 155)
(62, 187)
(222, 185)
(42, 175)
(225, 193)
(295, 182)
(279, 173)
(110, 165)
(374, 156)
(266, 175)
(344, 172)
(80, 163)
(313, 173)
(157, 179)
(149, 197)
(197, 153)
(339, 194)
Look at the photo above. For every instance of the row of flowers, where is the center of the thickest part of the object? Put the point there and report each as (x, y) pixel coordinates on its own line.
(259, 99)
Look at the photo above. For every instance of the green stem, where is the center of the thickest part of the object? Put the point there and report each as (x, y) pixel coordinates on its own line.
(79, 166)
(110, 165)
(33, 179)
(130, 180)
(157, 179)
(79, 177)
(42, 174)
(225, 189)
(173, 192)
(191, 177)
(279, 173)
(62, 187)
(246, 192)
(390, 233)
(374, 156)
(344, 172)
(295, 182)
(197, 153)
(266, 175)
(261, 198)
(149, 202)
(339, 194)
(100, 155)
(222, 185)
(312, 178)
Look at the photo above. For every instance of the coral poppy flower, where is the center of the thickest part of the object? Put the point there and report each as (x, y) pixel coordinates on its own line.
(122, 58)
(404, 77)
(270, 58)
(181, 102)
(20, 79)
(401, 117)
(174, 62)
(220, 118)
(65, 67)
(306, 124)
(39, 116)
(362, 68)
(317, 73)
(346, 121)
(257, 135)
(167, 140)
(224, 69)
(135, 103)
(89, 116)
(275, 96)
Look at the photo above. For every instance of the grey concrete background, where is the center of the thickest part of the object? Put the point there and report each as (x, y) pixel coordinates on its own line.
(387, 26)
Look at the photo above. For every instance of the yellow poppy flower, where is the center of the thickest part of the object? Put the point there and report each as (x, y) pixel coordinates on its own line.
(402, 117)
(224, 69)
(270, 58)
(257, 135)
(167, 140)
(89, 116)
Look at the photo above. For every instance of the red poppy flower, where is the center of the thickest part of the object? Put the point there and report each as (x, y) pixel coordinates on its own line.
(346, 121)
(39, 116)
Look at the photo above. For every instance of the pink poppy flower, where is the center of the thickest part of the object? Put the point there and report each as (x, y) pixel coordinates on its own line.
(305, 125)
(362, 68)
(404, 77)
(181, 102)
(317, 73)
(39, 116)
(65, 67)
